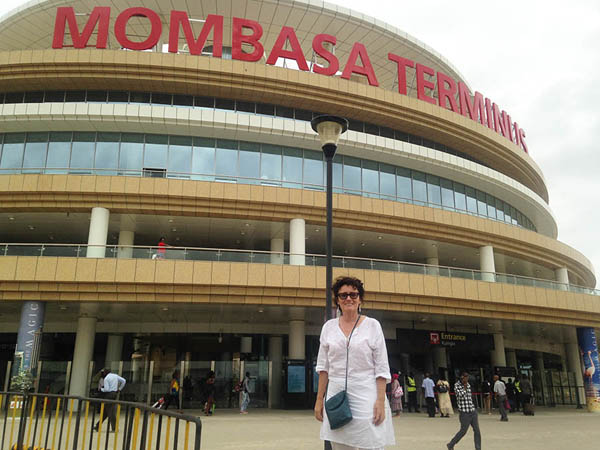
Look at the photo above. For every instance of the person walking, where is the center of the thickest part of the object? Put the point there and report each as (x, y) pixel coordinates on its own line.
(429, 394)
(113, 384)
(467, 413)
(411, 389)
(173, 395)
(500, 392)
(245, 394)
(444, 402)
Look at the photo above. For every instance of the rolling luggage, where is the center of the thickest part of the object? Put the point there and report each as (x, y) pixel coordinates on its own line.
(529, 408)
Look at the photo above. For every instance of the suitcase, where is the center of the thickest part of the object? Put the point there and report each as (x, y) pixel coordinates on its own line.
(529, 409)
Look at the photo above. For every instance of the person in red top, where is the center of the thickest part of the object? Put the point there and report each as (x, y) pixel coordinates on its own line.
(162, 248)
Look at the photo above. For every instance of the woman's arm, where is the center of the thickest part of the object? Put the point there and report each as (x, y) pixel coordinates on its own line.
(379, 408)
(323, 380)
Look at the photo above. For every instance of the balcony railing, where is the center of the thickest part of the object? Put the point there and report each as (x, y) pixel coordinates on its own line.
(265, 257)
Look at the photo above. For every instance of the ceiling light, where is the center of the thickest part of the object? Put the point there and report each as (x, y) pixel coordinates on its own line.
(316, 230)
(31, 227)
(170, 220)
(62, 307)
(173, 229)
(362, 244)
(243, 233)
(412, 250)
(260, 310)
(434, 245)
(177, 239)
(453, 259)
(380, 237)
(164, 308)
(11, 218)
(246, 224)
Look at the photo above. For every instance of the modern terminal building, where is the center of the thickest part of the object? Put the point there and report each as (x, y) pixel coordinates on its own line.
(190, 121)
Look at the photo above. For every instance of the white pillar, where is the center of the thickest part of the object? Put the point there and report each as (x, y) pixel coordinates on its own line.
(297, 242)
(276, 357)
(574, 361)
(296, 348)
(497, 355)
(486, 263)
(82, 355)
(98, 233)
(562, 277)
(278, 247)
(114, 349)
(433, 266)
(126, 239)
(511, 359)
(246, 344)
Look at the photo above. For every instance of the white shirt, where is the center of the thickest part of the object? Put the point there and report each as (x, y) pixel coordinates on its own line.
(500, 388)
(428, 386)
(113, 383)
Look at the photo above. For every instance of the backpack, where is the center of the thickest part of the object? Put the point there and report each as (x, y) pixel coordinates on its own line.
(442, 388)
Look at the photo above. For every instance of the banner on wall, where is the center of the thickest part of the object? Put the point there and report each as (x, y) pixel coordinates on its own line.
(588, 347)
(29, 337)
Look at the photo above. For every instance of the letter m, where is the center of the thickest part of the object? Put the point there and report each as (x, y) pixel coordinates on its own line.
(66, 15)
(212, 22)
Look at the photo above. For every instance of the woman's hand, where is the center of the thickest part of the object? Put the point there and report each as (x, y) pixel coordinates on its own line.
(319, 409)
(379, 412)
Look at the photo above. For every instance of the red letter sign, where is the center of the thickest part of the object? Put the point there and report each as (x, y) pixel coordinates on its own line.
(317, 46)
(403, 63)
(212, 22)
(238, 38)
(66, 15)
(366, 69)
(422, 83)
(287, 34)
(469, 109)
(444, 92)
(121, 28)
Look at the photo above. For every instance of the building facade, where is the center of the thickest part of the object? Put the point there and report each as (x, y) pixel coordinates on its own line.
(123, 125)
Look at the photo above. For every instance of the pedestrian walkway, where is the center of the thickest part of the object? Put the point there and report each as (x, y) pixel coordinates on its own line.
(560, 428)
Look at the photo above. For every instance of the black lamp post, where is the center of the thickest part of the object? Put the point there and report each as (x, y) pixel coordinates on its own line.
(329, 129)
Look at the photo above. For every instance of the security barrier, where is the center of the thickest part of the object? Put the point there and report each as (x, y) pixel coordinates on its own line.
(62, 422)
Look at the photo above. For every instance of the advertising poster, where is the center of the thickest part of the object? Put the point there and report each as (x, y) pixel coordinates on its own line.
(296, 379)
(591, 367)
(29, 336)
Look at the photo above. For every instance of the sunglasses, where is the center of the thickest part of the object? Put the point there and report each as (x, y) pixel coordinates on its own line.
(345, 295)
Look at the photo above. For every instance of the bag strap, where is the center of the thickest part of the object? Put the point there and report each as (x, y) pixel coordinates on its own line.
(347, 349)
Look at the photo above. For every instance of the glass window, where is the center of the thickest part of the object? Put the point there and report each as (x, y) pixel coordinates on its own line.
(204, 102)
(491, 206)
(507, 213)
(12, 152)
(270, 164)
(245, 106)
(313, 168)
(471, 200)
(155, 151)
(419, 187)
(387, 132)
(14, 97)
(131, 154)
(267, 110)
(35, 151)
(403, 184)
(515, 216)
(371, 129)
(82, 152)
(401, 136)
(417, 140)
(107, 153)
(139, 97)
(203, 158)
(434, 194)
(59, 152)
(249, 161)
(34, 97)
(352, 174)
(75, 96)
(96, 96)
(284, 111)
(387, 181)
(292, 166)
(460, 199)
(226, 157)
(338, 170)
(180, 156)
(447, 193)
(118, 96)
(356, 125)
(500, 209)
(302, 114)
(161, 99)
(183, 100)
(481, 205)
(224, 103)
(370, 179)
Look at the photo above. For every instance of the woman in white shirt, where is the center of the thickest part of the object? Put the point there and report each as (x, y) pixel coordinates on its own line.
(368, 372)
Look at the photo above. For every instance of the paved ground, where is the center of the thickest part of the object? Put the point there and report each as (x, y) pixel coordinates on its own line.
(561, 428)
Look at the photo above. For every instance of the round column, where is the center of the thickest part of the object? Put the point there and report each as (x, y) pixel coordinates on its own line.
(497, 356)
(98, 233)
(440, 359)
(433, 266)
(277, 247)
(126, 239)
(486, 263)
(82, 355)
(246, 344)
(296, 348)
(114, 350)
(562, 277)
(511, 359)
(540, 367)
(297, 242)
(276, 357)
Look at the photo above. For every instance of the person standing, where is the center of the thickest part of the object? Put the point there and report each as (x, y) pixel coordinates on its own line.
(161, 252)
(113, 384)
(209, 393)
(500, 392)
(354, 342)
(467, 413)
(411, 389)
(443, 390)
(173, 395)
(396, 394)
(245, 394)
(526, 395)
(429, 394)
(486, 391)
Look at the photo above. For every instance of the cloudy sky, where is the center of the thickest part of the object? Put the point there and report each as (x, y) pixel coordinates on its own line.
(539, 61)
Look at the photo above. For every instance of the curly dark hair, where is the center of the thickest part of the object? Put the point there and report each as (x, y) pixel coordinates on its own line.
(347, 281)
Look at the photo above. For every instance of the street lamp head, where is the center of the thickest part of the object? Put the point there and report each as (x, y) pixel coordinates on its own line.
(329, 129)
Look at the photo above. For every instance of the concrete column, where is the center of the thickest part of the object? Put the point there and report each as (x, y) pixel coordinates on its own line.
(439, 358)
(562, 277)
(98, 233)
(246, 344)
(511, 359)
(114, 350)
(136, 363)
(429, 364)
(296, 346)
(539, 366)
(276, 357)
(574, 363)
(486, 263)
(433, 264)
(297, 242)
(126, 238)
(277, 246)
(497, 355)
(84, 352)
(29, 337)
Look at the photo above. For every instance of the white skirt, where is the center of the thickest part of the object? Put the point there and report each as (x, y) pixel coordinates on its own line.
(361, 432)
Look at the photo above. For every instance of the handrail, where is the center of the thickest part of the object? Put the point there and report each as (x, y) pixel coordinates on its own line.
(265, 257)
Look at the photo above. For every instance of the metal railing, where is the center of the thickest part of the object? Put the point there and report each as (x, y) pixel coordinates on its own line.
(265, 257)
(59, 422)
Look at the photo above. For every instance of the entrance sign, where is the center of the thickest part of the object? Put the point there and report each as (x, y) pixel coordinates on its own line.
(247, 46)
(427, 340)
